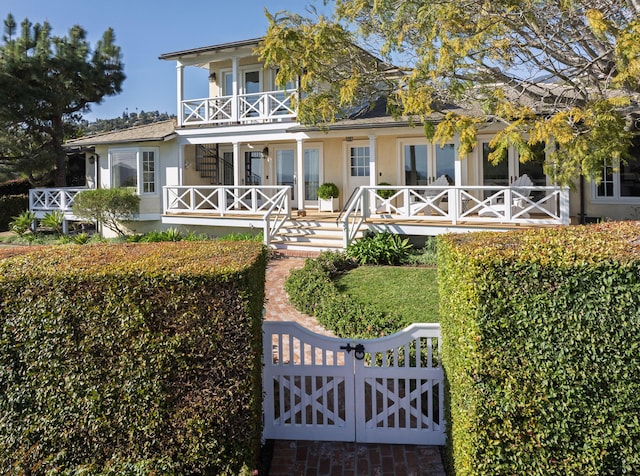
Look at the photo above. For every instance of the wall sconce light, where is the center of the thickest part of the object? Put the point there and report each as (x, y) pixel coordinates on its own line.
(212, 76)
(187, 164)
(92, 158)
(265, 153)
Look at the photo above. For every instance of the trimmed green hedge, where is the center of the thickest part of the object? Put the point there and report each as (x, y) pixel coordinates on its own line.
(541, 349)
(311, 289)
(131, 359)
(11, 206)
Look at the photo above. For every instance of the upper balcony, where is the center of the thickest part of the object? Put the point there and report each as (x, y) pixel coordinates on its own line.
(251, 108)
(239, 89)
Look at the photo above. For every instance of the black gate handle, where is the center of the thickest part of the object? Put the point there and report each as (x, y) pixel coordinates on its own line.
(359, 350)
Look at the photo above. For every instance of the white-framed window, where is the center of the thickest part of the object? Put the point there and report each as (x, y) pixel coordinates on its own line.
(359, 161)
(135, 168)
(621, 183)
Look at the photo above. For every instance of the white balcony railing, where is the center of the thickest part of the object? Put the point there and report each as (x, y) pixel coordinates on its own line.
(457, 205)
(270, 203)
(44, 200)
(243, 108)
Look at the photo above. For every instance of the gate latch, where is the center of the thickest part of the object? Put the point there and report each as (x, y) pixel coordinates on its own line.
(359, 350)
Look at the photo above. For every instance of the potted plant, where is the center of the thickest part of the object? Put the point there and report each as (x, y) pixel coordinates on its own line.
(385, 192)
(328, 197)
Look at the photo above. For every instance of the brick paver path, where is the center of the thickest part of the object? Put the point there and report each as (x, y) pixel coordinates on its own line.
(325, 458)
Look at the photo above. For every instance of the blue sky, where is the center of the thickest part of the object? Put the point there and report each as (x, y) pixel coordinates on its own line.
(145, 29)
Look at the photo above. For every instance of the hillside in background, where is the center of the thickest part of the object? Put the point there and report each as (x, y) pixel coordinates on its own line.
(128, 119)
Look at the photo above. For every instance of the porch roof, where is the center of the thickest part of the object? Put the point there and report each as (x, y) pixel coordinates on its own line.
(209, 49)
(157, 131)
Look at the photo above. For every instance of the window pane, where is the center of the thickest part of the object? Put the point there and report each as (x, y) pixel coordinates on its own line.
(311, 173)
(415, 165)
(359, 161)
(497, 174)
(445, 161)
(148, 172)
(630, 178)
(605, 189)
(124, 169)
(253, 168)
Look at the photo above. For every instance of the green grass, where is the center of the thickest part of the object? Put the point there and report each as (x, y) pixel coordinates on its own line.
(410, 291)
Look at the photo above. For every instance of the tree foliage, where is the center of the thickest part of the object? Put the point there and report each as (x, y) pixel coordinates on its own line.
(47, 82)
(564, 72)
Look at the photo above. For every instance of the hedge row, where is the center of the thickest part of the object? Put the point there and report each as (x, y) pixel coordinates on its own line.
(132, 358)
(11, 206)
(541, 348)
(15, 187)
(311, 290)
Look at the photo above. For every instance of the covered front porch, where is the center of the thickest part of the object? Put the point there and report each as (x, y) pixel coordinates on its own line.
(408, 210)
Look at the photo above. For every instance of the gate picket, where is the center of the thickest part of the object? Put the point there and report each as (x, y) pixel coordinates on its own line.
(318, 388)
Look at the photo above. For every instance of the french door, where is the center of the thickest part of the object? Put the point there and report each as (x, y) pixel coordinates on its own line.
(286, 172)
(424, 163)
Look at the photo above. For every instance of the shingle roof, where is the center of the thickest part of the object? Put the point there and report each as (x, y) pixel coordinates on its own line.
(157, 131)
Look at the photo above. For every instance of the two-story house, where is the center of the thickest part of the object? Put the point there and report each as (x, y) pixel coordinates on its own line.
(238, 160)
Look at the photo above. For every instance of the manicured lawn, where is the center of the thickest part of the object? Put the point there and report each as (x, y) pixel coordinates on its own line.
(410, 291)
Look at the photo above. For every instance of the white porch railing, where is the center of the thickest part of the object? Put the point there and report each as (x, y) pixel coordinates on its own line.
(45, 200)
(243, 108)
(270, 202)
(464, 204)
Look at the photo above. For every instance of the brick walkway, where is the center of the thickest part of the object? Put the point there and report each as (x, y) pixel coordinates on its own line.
(335, 458)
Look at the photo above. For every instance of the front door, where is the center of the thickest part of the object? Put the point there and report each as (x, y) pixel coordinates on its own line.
(286, 172)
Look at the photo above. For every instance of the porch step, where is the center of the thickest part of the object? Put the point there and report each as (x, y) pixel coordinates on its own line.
(309, 235)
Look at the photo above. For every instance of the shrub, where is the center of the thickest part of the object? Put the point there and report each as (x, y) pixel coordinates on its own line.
(109, 206)
(53, 220)
(131, 358)
(15, 187)
(426, 256)
(328, 190)
(385, 192)
(11, 206)
(380, 248)
(22, 223)
(541, 331)
(312, 290)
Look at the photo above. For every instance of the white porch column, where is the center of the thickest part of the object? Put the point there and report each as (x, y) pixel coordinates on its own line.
(180, 92)
(457, 165)
(180, 164)
(300, 185)
(235, 89)
(373, 169)
(237, 169)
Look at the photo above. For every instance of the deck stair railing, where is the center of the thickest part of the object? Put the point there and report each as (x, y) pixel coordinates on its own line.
(277, 214)
(355, 214)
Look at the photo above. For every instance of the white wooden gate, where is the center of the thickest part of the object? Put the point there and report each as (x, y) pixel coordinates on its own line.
(386, 390)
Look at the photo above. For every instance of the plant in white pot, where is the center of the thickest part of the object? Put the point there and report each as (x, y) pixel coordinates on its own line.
(328, 197)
